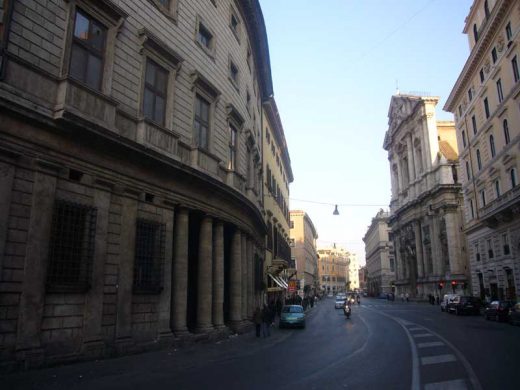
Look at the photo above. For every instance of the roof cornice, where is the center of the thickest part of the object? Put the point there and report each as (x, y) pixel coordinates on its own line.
(479, 50)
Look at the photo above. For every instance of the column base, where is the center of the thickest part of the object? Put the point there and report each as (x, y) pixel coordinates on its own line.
(124, 346)
(93, 348)
(200, 329)
(31, 358)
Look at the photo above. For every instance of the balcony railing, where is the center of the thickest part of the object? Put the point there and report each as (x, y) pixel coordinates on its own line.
(501, 206)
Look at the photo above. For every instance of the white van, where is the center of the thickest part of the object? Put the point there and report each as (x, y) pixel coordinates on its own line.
(445, 300)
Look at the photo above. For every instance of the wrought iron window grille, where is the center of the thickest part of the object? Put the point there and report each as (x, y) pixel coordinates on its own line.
(71, 247)
(149, 257)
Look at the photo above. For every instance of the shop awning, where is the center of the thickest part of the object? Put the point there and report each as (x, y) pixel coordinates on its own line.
(278, 281)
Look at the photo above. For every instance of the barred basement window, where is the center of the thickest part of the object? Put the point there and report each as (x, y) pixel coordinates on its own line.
(149, 256)
(71, 247)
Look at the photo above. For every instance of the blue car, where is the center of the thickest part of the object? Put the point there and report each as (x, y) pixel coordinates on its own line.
(292, 315)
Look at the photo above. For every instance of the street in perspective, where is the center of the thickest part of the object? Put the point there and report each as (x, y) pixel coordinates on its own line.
(383, 345)
(252, 194)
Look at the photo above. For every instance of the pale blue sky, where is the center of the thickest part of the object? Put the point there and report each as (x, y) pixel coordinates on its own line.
(334, 65)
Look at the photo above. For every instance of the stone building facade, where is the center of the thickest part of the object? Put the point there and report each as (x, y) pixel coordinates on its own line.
(303, 239)
(426, 204)
(131, 203)
(484, 101)
(379, 252)
(333, 269)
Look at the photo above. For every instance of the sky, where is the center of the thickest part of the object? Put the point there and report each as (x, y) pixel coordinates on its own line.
(335, 65)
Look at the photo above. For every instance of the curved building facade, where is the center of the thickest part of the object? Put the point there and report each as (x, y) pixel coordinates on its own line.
(131, 205)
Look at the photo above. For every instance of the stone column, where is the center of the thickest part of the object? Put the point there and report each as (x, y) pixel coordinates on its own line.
(165, 299)
(436, 247)
(411, 162)
(126, 268)
(250, 279)
(455, 241)
(92, 330)
(419, 249)
(244, 275)
(32, 299)
(205, 276)
(218, 275)
(235, 276)
(180, 273)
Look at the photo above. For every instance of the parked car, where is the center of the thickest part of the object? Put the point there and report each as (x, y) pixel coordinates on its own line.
(445, 300)
(464, 305)
(340, 302)
(292, 315)
(498, 310)
(514, 314)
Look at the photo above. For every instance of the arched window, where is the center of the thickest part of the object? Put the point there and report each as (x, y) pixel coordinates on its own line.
(492, 145)
(479, 161)
(512, 175)
(506, 131)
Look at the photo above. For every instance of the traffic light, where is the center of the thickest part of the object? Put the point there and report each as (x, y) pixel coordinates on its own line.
(453, 285)
(441, 285)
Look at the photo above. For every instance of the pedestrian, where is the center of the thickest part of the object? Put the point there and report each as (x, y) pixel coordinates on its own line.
(438, 300)
(266, 321)
(407, 297)
(257, 319)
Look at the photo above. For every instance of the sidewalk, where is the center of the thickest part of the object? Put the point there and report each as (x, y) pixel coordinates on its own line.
(171, 359)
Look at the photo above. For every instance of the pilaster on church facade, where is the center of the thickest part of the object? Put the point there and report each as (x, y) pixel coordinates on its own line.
(425, 213)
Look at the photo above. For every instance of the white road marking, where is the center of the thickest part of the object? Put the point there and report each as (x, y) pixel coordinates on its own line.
(417, 335)
(431, 344)
(457, 384)
(415, 328)
(438, 359)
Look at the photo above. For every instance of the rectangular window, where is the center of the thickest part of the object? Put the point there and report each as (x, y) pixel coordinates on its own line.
(71, 247)
(481, 73)
(477, 253)
(490, 249)
(149, 256)
(486, 107)
(232, 148)
(204, 37)
(201, 122)
(154, 101)
(470, 94)
(516, 73)
(494, 55)
(292, 224)
(460, 111)
(233, 72)
(497, 188)
(474, 124)
(87, 51)
(472, 210)
(499, 91)
(505, 244)
(509, 31)
(463, 138)
(483, 198)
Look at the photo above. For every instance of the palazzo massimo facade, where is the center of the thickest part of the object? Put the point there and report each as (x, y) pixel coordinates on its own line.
(485, 102)
(425, 208)
(131, 204)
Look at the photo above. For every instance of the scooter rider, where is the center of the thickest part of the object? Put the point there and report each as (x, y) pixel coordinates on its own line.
(346, 308)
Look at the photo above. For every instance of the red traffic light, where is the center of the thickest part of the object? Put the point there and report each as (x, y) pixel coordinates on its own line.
(453, 283)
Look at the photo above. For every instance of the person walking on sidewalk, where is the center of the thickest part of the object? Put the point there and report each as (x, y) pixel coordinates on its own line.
(266, 321)
(257, 319)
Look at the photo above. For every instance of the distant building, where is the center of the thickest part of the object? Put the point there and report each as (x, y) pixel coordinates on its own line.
(379, 252)
(363, 278)
(484, 101)
(425, 207)
(353, 272)
(303, 242)
(333, 269)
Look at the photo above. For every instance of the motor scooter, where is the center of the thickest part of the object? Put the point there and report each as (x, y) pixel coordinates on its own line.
(347, 310)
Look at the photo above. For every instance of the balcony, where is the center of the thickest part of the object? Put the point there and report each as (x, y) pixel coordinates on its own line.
(501, 209)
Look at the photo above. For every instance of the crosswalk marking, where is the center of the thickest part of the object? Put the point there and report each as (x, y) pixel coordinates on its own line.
(422, 335)
(457, 384)
(430, 344)
(415, 328)
(437, 359)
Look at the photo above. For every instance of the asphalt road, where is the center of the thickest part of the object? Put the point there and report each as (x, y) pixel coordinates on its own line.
(384, 345)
